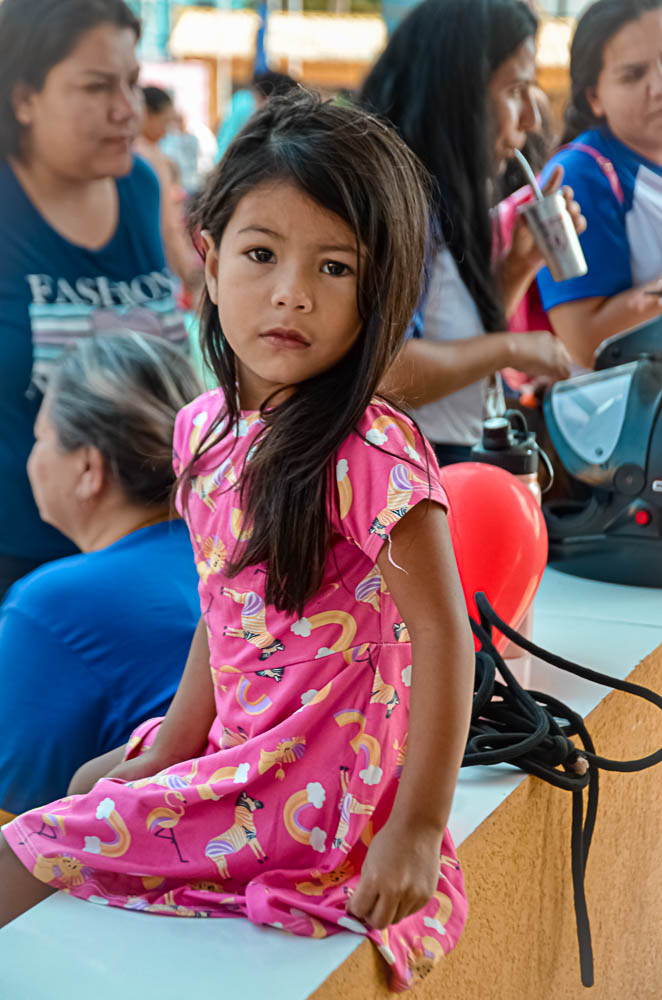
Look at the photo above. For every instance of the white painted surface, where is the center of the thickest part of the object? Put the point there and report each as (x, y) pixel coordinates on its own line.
(65, 949)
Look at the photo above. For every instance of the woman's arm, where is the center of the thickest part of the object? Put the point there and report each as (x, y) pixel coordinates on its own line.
(184, 731)
(582, 325)
(426, 370)
(401, 869)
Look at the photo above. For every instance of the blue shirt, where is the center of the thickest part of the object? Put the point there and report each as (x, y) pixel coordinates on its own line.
(623, 239)
(90, 646)
(51, 293)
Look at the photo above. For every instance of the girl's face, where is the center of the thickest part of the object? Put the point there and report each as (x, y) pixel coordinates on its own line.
(83, 121)
(628, 93)
(284, 279)
(515, 111)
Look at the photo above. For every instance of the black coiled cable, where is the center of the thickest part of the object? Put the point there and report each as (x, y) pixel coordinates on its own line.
(533, 731)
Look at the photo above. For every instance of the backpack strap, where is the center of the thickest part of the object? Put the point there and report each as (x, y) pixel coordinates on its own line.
(606, 166)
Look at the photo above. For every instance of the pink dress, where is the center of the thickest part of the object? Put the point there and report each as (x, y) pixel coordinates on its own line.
(303, 759)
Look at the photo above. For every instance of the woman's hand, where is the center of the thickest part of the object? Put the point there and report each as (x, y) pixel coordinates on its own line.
(399, 875)
(539, 353)
(524, 255)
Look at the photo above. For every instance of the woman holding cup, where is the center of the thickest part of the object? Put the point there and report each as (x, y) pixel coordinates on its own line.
(456, 80)
(613, 161)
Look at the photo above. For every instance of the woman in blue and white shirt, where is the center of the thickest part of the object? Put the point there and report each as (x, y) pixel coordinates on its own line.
(614, 166)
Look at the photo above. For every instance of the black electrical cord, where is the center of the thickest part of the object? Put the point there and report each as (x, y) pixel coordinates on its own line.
(533, 731)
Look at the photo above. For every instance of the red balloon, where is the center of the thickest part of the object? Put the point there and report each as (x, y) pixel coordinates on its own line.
(499, 539)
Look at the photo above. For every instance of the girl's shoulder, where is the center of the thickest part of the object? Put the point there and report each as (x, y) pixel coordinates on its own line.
(392, 434)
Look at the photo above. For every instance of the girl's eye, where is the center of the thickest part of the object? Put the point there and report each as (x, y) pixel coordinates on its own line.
(335, 268)
(96, 88)
(261, 255)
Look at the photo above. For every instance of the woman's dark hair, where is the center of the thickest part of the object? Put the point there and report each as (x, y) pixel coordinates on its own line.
(36, 35)
(353, 165)
(597, 26)
(121, 393)
(269, 83)
(432, 83)
(156, 99)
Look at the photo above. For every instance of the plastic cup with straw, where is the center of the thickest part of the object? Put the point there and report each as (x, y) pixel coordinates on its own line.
(552, 228)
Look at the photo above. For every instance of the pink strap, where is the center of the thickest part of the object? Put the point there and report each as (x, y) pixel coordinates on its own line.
(606, 166)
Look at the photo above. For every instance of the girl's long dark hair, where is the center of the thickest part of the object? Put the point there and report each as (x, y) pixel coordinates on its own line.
(432, 82)
(597, 26)
(351, 164)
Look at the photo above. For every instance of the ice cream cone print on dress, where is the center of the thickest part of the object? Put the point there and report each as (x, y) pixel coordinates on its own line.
(398, 499)
(344, 487)
(199, 422)
(368, 590)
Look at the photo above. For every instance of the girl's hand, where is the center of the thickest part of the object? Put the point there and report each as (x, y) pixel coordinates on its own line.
(144, 766)
(399, 875)
(524, 255)
(539, 353)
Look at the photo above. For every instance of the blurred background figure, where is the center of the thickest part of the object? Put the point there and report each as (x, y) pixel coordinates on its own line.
(614, 163)
(193, 148)
(79, 224)
(101, 637)
(456, 80)
(158, 117)
(247, 100)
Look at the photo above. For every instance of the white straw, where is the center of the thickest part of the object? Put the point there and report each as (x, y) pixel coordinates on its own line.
(531, 177)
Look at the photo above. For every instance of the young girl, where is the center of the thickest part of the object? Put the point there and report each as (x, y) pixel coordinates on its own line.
(304, 773)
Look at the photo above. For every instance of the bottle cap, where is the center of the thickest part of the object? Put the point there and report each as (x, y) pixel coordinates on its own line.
(512, 449)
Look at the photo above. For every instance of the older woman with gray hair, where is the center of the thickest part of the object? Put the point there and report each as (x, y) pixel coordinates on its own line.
(93, 644)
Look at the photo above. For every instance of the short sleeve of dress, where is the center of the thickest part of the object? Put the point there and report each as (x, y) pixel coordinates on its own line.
(383, 469)
(191, 425)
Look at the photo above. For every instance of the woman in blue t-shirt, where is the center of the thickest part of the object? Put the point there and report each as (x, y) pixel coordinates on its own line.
(614, 165)
(79, 224)
(93, 644)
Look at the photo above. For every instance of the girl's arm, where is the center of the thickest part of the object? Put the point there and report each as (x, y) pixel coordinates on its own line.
(582, 325)
(184, 731)
(426, 370)
(401, 869)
